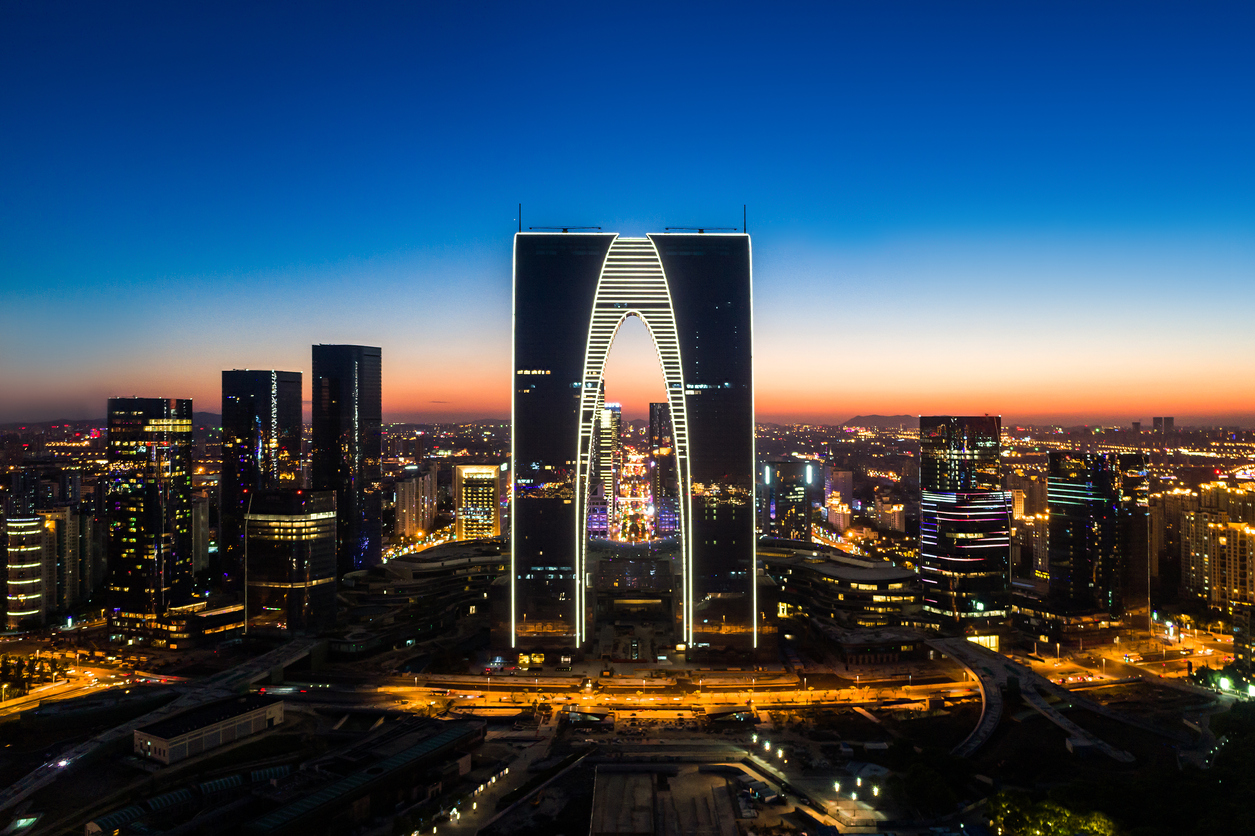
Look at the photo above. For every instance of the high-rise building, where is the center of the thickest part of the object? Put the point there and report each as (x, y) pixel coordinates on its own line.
(571, 293)
(200, 531)
(347, 448)
(1097, 519)
(663, 485)
(416, 501)
(149, 510)
(72, 544)
(609, 435)
(965, 517)
(1165, 425)
(477, 501)
(839, 482)
(291, 537)
(889, 513)
(30, 571)
(261, 448)
(788, 493)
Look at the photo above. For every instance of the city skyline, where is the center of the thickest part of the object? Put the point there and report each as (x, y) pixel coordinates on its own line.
(1084, 209)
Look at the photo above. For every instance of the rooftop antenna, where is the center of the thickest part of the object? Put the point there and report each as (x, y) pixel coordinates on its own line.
(701, 229)
(745, 227)
(562, 228)
(520, 217)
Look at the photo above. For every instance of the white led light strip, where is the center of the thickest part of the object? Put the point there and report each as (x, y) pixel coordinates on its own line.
(632, 283)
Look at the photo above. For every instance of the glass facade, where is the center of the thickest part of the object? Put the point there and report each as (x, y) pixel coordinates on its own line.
(787, 496)
(965, 516)
(347, 448)
(1097, 521)
(261, 449)
(571, 293)
(292, 559)
(148, 497)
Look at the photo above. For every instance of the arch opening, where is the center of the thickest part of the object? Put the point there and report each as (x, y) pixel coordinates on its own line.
(632, 285)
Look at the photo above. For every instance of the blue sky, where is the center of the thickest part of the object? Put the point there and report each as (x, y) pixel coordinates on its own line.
(1045, 210)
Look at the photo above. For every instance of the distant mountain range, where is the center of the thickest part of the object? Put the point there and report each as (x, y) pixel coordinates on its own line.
(881, 422)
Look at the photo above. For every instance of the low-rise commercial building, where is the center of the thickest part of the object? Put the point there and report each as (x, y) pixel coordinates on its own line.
(192, 732)
(854, 591)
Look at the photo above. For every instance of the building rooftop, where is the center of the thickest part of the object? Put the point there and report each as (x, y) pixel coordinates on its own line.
(198, 718)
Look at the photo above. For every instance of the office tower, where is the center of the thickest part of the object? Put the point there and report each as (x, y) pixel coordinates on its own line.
(1029, 552)
(787, 495)
(65, 525)
(346, 450)
(1137, 426)
(1164, 426)
(609, 440)
(261, 448)
(200, 531)
(839, 513)
(477, 501)
(149, 510)
(30, 572)
(571, 293)
(291, 537)
(964, 517)
(663, 485)
(1028, 492)
(1097, 517)
(416, 501)
(840, 482)
(889, 513)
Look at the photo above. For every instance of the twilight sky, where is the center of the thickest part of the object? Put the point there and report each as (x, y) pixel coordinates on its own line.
(1043, 210)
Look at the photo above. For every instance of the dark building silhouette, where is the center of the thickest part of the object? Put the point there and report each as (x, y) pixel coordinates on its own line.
(148, 495)
(261, 449)
(346, 451)
(787, 496)
(292, 559)
(571, 292)
(662, 476)
(965, 540)
(1097, 530)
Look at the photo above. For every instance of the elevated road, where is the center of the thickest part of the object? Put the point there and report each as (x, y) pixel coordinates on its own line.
(221, 685)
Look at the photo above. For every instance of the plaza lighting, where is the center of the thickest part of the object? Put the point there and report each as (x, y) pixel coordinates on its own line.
(836, 786)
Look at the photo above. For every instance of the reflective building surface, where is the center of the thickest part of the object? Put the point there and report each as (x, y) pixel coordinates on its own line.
(148, 501)
(292, 559)
(571, 294)
(347, 448)
(261, 448)
(1097, 523)
(965, 516)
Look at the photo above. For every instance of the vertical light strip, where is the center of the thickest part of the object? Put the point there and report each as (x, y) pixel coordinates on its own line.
(514, 574)
(749, 245)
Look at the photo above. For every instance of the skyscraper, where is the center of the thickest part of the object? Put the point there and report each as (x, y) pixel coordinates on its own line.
(292, 558)
(610, 453)
(261, 448)
(662, 476)
(571, 293)
(416, 501)
(788, 493)
(965, 541)
(30, 572)
(149, 510)
(477, 501)
(1097, 516)
(347, 448)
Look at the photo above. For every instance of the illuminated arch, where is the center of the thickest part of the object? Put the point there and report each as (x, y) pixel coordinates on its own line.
(632, 283)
